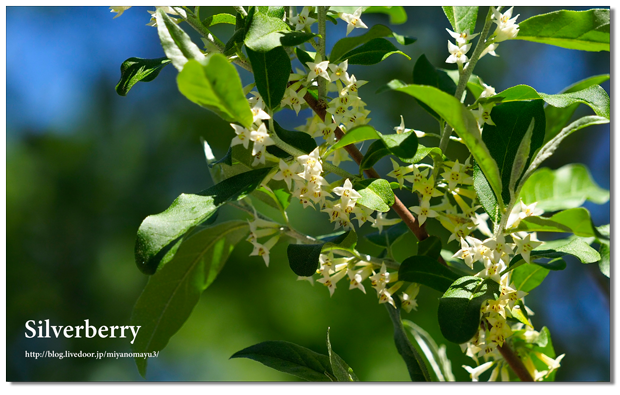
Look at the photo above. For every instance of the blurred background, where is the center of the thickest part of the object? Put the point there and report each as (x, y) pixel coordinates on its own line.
(85, 167)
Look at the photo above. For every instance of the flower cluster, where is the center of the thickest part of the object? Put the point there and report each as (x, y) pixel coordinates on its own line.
(257, 133)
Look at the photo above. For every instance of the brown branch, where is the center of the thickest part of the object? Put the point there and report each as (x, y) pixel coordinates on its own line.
(515, 362)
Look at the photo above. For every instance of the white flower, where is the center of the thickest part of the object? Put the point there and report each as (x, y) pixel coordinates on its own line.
(525, 246)
(456, 176)
(338, 111)
(263, 249)
(330, 282)
(339, 155)
(381, 279)
(427, 189)
(353, 20)
(528, 211)
(408, 301)
(347, 194)
(243, 136)
(352, 85)
(362, 214)
(380, 222)
(466, 254)
(498, 247)
(506, 28)
(475, 373)
(119, 10)
(463, 37)
(457, 53)
(168, 10)
(490, 49)
(483, 114)
(259, 115)
(326, 130)
(294, 99)
(318, 68)
(288, 172)
(488, 91)
(261, 139)
(357, 276)
(311, 163)
(424, 211)
(399, 172)
(339, 72)
(552, 364)
(302, 20)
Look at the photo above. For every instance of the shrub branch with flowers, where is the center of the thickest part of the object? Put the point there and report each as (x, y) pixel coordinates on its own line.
(493, 203)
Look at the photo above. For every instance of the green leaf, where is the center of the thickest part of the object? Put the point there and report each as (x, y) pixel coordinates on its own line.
(373, 52)
(557, 117)
(464, 123)
(356, 135)
(397, 14)
(567, 187)
(304, 258)
(289, 358)
(431, 247)
(436, 360)
(376, 194)
(271, 72)
(593, 96)
(375, 152)
(462, 18)
(582, 30)
(160, 230)
(574, 220)
(485, 195)
(512, 121)
(459, 307)
(177, 45)
(574, 246)
(549, 148)
(292, 39)
(137, 69)
(303, 57)
(344, 242)
(424, 73)
(413, 360)
(171, 294)
(404, 146)
(341, 370)
(300, 140)
(218, 19)
(427, 271)
(528, 276)
(346, 45)
(273, 11)
(604, 262)
(422, 152)
(216, 86)
(264, 32)
(519, 313)
(388, 236)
